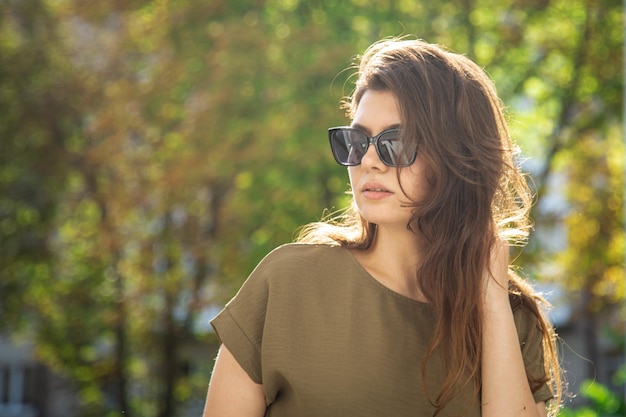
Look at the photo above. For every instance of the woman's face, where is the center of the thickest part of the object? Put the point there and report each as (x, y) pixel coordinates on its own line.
(375, 186)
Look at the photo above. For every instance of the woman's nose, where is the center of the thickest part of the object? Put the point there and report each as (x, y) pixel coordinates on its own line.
(371, 160)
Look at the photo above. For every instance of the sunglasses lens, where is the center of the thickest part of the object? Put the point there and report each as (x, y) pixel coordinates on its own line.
(392, 150)
(348, 146)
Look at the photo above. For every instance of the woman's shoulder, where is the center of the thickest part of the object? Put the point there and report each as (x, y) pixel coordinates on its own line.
(290, 263)
(527, 313)
(299, 263)
(303, 253)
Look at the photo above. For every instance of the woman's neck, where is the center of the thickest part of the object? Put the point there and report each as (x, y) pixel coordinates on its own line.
(392, 259)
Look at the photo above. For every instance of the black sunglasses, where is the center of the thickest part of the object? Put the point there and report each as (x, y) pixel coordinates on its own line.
(349, 145)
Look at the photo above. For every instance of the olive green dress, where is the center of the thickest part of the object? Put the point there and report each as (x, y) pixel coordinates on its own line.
(327, 339)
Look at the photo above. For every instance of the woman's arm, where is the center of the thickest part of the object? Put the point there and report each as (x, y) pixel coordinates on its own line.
(231, 392)
(505, 388)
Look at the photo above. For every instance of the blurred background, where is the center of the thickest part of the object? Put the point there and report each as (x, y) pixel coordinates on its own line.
(152, 152)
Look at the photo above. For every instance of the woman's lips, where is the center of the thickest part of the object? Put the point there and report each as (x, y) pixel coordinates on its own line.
(374, 191)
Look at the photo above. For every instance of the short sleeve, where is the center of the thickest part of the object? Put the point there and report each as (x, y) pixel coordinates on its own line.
(531, 341)
(239, 326)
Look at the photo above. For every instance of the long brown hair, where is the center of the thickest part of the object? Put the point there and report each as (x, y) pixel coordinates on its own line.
(450, 110)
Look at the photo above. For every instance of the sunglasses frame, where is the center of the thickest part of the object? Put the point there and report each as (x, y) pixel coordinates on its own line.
(371, 140)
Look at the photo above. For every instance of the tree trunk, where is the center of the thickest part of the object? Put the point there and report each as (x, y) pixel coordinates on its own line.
(170, 368)
(121, 350)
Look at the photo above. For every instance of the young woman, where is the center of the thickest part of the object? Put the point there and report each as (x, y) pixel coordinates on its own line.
(404, 305)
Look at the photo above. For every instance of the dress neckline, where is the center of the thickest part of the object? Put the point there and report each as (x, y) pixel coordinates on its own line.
(370, 278)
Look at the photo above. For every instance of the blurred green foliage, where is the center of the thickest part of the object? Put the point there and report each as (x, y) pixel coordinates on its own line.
(602, 401)
(151, 152)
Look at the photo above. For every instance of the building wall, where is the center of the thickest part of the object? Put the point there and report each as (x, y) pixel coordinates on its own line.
(27, 388)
